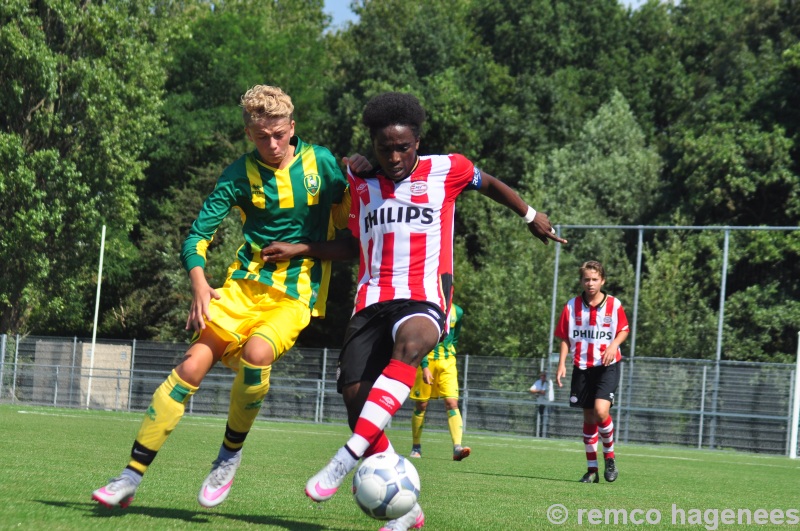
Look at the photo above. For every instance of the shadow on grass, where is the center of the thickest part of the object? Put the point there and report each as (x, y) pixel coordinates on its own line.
(93, 510)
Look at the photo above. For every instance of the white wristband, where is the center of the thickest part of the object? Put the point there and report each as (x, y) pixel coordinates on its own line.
(529, 215)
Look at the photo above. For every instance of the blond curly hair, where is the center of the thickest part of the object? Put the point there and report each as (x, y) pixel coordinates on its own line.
(264, 101)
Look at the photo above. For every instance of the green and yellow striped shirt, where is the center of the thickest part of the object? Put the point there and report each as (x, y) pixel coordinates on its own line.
(304, 202)
(447, 347)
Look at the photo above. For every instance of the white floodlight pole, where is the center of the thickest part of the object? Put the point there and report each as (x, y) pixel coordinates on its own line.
(96, 311)
(795, 404)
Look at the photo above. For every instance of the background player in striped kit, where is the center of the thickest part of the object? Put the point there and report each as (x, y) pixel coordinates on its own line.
(402, 216)
(286, 190)
(591, 328)
(437, 377)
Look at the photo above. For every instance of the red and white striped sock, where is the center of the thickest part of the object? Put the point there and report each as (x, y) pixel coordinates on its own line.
(606, 429)
(388, 393)
(590, 442)
(381, 445)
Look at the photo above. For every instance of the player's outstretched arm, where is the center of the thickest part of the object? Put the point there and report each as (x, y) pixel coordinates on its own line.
(538, 222)
(338, 249)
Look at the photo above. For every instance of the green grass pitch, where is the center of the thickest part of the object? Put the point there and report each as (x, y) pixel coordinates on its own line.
(52, 459)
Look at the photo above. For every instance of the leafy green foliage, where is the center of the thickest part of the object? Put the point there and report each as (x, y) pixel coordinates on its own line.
(672, 323)
(80, 90)
(123, 114)
(607, 176)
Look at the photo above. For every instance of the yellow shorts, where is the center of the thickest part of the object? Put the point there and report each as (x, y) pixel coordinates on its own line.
(445, 381)
(248, 308)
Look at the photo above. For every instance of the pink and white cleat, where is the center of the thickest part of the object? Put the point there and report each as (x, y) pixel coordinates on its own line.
(118, 493)
(218, 484)
(324, 484)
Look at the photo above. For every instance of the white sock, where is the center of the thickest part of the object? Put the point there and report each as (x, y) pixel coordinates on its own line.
(227, 455)
(346, 458)
(133, 476)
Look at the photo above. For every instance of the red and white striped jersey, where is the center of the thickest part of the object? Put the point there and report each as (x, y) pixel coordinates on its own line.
(406, 231)
(591, 329)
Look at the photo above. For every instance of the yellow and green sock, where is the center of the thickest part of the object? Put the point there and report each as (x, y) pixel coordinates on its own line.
(250, 386)
(162, 416)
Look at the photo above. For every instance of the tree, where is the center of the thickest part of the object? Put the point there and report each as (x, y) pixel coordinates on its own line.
(566, 58)
(429, 49)
(607, 176)
(731, 157)
(80, 89)
(730, 151)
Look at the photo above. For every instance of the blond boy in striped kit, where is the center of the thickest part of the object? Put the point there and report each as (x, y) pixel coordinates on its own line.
(285, 189)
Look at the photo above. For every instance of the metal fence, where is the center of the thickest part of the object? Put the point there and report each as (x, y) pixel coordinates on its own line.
(660, 401)
(689, 291)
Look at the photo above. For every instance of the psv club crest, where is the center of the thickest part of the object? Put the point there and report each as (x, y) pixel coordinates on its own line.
(311, 181)
(419, 188)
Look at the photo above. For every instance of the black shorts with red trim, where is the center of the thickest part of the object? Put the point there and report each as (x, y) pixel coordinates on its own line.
(595, 382)
(368, 341)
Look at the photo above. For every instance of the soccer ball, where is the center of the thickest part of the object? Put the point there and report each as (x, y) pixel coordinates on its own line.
(386, 486)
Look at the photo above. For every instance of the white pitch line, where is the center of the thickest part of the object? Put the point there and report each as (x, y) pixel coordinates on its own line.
(185, 420)
(558, 446)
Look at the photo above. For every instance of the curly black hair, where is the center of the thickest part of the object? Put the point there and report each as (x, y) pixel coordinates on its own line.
(393, 108)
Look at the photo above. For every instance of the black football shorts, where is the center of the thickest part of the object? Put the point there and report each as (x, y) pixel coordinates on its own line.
(368, 341)
(595, 382)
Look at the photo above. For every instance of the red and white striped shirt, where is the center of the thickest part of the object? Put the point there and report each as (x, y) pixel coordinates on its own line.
(406, 231)
(591, 329)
